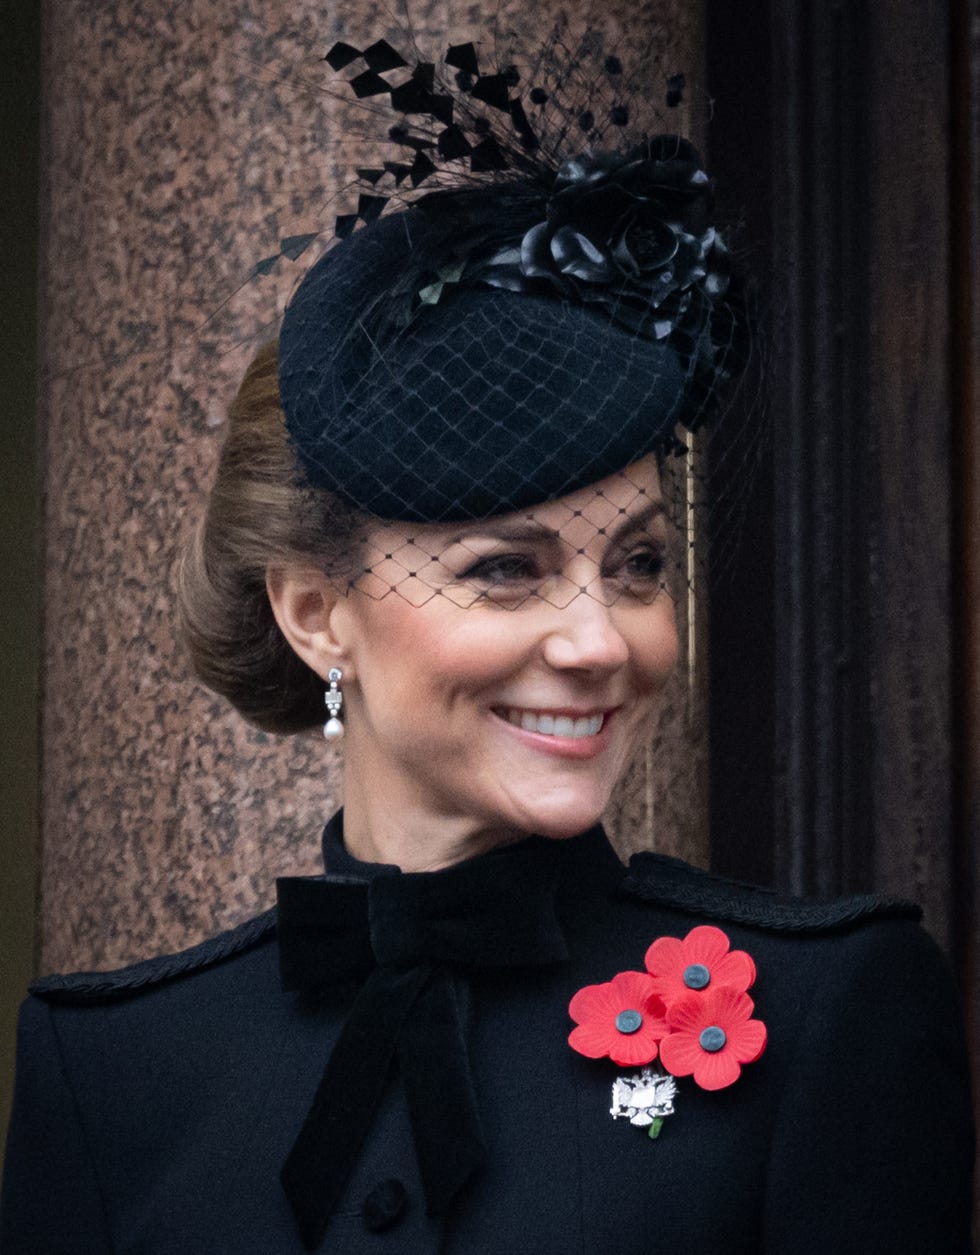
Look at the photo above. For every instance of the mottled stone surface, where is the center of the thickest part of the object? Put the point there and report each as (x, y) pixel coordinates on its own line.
(182, 142)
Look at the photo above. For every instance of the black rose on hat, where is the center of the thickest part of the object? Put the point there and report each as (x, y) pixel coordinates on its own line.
(632, 232)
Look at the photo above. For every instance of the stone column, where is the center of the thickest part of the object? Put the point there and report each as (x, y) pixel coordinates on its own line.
(182, 143)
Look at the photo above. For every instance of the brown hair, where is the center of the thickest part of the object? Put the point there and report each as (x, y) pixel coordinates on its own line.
(260, 514)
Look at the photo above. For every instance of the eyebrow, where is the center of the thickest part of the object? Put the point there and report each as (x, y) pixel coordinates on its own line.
(532, 530)
(636, 522)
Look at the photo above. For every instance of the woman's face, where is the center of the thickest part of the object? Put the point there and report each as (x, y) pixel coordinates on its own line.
(499, 674)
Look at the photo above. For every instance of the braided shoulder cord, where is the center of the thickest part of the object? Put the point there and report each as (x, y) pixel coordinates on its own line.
(705, 895)
(84, 987)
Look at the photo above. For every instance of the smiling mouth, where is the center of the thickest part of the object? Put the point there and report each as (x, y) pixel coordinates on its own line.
(555, 725)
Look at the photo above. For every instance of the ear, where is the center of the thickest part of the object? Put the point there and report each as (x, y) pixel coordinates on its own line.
(310, 614)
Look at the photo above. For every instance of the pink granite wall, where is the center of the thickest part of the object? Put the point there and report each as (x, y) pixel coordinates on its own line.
(182, 142)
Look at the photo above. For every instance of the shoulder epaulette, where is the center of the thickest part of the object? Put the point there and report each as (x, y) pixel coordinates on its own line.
(671, 882)
(84, 987)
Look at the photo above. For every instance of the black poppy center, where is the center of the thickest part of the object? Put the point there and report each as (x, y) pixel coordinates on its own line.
(712, 1038)
(628, 1021)
(696, 976)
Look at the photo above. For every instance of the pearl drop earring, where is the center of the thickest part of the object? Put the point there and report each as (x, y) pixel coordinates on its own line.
(333, 729)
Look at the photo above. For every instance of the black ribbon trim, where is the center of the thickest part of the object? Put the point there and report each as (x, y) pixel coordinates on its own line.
(435, 1063)
(347, 1099)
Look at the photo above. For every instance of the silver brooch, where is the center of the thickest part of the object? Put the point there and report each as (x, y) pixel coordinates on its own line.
(644, 1099)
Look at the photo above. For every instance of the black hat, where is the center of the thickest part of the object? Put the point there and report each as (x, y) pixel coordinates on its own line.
(493, 347)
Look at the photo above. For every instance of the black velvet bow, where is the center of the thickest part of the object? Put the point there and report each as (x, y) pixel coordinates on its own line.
(403, 936)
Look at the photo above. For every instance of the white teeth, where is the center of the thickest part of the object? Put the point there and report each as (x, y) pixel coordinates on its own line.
(555, 725)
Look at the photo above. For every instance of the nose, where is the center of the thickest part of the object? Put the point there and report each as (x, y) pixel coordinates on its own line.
(584, 637)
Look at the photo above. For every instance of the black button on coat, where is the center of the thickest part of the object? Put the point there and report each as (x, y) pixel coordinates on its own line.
(155, 1107)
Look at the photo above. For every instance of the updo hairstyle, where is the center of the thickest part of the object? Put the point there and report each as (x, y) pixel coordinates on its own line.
(260, 514)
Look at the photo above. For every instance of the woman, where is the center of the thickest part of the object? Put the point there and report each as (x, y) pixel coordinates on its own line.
(438, 523)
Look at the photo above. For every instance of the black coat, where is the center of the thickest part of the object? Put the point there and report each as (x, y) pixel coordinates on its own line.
(155, 1107)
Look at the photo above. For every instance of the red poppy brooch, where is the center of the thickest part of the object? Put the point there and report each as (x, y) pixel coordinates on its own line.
(690, 1009)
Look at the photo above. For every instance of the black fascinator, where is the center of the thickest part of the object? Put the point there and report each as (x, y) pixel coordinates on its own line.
(526, 300)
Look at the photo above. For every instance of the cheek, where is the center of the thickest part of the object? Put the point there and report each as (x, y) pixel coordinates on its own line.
(403, 653)
(655, 645)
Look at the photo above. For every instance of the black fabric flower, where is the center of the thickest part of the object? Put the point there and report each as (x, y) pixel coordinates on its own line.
(631, 232)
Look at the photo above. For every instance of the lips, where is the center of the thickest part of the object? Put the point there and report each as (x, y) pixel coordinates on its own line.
(549, 724)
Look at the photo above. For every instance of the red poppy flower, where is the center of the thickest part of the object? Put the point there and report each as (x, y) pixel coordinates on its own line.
(700, 962)
(711, 1035)
(624, 1019)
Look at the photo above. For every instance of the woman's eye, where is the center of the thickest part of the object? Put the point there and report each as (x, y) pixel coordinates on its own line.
(504, 568)
(644, 565)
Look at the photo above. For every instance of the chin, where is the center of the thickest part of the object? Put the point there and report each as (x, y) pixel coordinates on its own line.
(563, 817)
